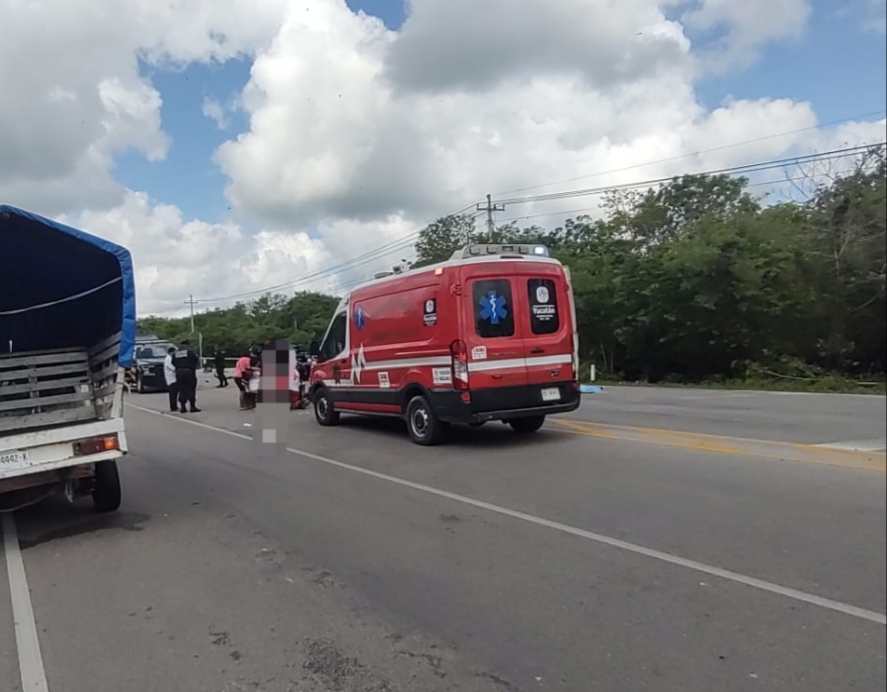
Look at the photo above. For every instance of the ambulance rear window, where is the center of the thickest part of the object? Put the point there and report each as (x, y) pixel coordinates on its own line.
(544, 318)
(493, 312)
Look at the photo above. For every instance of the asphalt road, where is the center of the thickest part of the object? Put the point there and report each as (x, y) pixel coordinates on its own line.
(779, 416)
(654, 540)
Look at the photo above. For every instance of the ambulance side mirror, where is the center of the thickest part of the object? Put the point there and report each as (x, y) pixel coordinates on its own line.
(314, 349)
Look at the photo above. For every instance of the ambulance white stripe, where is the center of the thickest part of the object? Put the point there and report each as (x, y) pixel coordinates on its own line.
(431, 361)
(474, 366)
(487, 365)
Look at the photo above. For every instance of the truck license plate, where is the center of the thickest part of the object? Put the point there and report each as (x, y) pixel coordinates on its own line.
(14, 459)
(551, 394)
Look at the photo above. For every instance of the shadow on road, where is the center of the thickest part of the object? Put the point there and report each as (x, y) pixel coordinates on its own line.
(493, 434)
(55, 518)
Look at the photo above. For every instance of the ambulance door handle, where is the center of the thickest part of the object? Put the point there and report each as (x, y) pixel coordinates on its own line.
(537, 351)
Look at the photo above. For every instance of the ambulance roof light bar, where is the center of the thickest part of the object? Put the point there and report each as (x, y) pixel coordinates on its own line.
(500, 249)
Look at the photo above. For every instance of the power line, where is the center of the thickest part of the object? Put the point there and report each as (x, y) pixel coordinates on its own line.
(406, 240)
(415, 233)
(391, 247)
(695, 153)
(568, 212)
(732, 170)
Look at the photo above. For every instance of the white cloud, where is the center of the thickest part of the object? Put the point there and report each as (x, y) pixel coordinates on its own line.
(851, 134)
(875, 20)
(473, 46)
(341, 124)
(357, 134)
(132, 118)
(74, 97)
(746, 26)
(215, 111)
(175, 257)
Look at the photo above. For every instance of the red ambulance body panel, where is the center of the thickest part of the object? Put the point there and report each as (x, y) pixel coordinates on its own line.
(479, 338)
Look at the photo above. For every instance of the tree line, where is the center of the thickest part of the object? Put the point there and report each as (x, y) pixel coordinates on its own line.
(300, 318)
(693, 281)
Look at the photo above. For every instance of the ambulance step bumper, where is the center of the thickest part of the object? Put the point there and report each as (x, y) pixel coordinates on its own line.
(505, 403)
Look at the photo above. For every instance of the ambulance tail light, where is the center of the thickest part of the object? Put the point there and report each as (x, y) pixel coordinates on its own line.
(459, 353)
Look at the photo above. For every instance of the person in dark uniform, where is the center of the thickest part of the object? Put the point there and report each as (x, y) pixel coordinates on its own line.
(219, 359)
(186, 364)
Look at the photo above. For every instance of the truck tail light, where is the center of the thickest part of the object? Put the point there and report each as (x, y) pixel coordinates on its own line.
(459, 353)
(96, 445)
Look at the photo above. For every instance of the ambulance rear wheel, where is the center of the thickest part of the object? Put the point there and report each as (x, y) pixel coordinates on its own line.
(526, 426)
(324, 412)
(424, 427)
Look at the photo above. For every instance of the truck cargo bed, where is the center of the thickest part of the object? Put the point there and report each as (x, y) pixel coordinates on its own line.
(40, 389)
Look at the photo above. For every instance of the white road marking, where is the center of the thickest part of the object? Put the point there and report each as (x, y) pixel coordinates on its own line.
(30, 660)
(820, 394)
(763, 585)
(856, 446)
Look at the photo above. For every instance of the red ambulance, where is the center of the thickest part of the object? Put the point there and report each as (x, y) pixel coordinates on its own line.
(488, 335)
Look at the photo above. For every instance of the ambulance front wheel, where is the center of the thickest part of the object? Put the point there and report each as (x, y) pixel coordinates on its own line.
(324, 412)
(525, 426)
(424, 427)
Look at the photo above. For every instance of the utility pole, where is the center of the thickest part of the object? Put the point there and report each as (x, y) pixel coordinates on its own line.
(490, 208)
(191, 302)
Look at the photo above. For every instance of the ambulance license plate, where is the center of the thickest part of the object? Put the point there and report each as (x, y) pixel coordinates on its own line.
(551, 394)
(13, 460)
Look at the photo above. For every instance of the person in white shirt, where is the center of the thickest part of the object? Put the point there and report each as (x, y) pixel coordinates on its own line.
(169, 373)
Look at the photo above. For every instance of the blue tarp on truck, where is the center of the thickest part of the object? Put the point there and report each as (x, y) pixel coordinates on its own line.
(61, 287)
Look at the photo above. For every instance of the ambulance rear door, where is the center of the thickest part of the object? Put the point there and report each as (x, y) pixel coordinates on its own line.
(490, 328)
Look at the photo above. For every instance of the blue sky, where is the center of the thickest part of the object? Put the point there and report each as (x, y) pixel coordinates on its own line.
(839, 67)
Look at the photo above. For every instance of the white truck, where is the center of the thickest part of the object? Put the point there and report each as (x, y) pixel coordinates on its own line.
(67, 331)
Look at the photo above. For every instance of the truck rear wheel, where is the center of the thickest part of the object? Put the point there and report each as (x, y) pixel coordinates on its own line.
(106, 493)
(324, 412)
(525, 426)
(424, 427)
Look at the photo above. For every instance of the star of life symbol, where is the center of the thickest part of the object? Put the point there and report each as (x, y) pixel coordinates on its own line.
(493, 307)
(359, 318)
(358, 364)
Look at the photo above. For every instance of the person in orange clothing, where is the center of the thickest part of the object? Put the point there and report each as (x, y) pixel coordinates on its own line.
(242, 374)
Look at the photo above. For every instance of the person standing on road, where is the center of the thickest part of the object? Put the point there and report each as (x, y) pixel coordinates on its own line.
(219, 360)
(169, 374)
(186, 364)
(241, 375)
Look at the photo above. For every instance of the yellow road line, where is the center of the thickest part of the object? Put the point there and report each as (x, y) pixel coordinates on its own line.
(738, 446)
(588, 430)
(709, 436)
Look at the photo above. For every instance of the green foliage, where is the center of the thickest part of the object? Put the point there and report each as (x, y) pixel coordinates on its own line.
(693, 282)
(442, 238)
(300, 318)
(696, 280)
